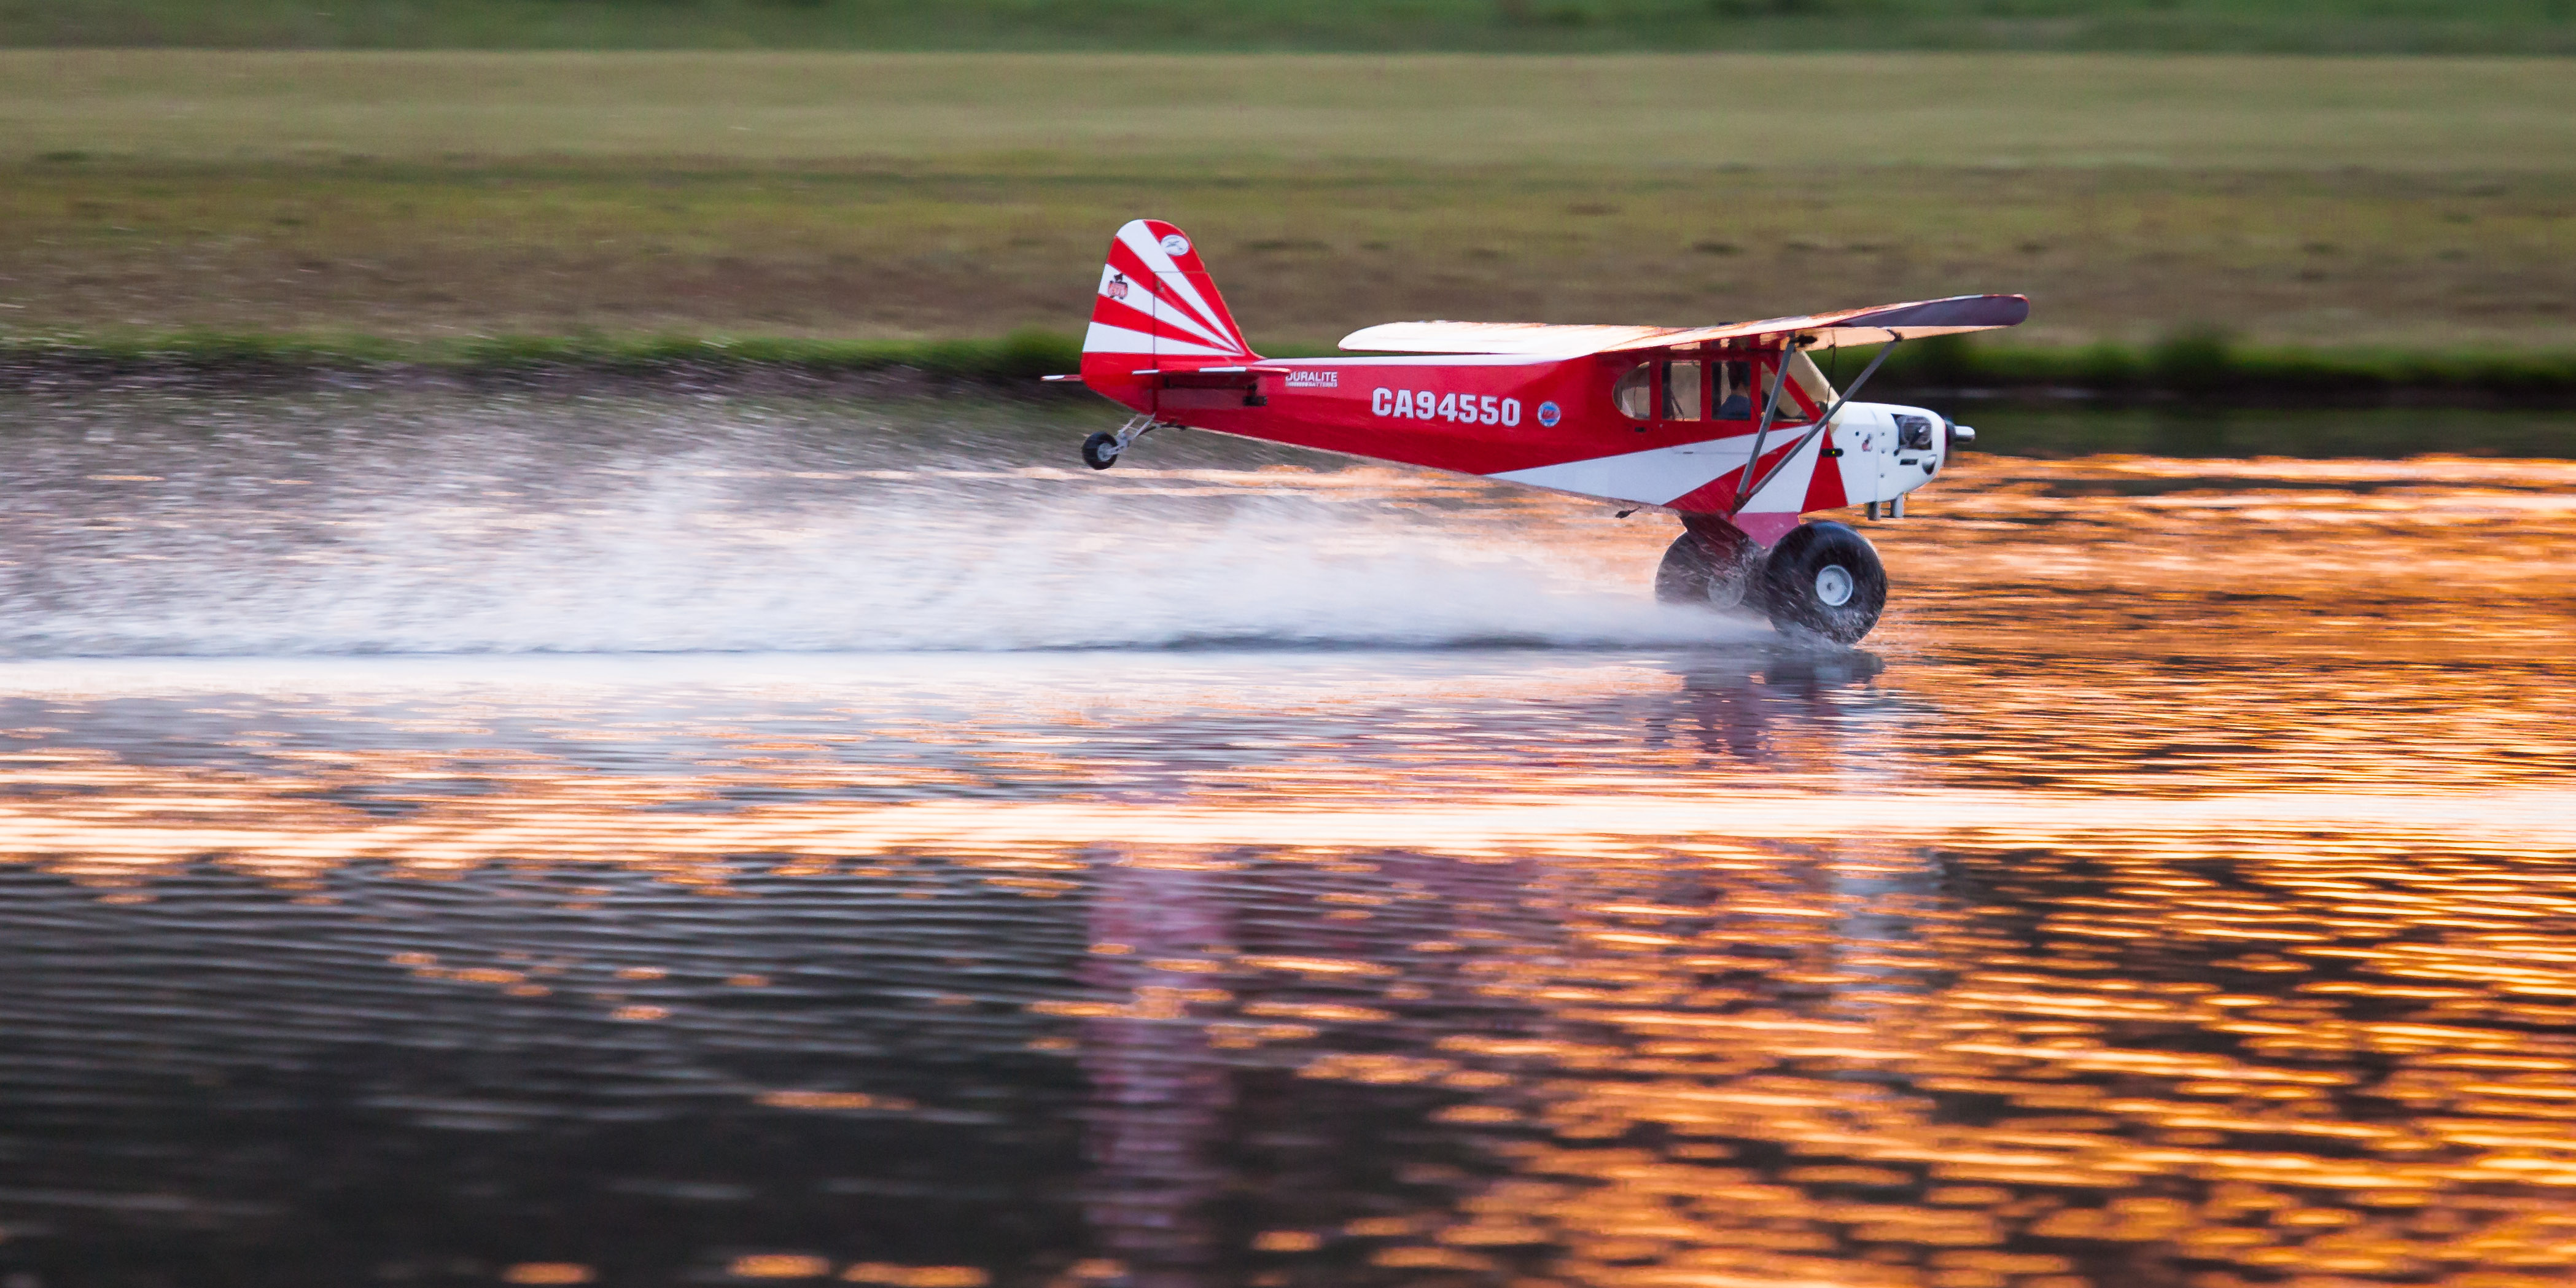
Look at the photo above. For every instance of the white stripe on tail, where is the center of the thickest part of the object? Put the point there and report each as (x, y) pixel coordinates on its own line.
(1156, 302)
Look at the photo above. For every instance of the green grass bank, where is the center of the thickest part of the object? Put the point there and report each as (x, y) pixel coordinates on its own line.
(2313, 203)
(2518, 27)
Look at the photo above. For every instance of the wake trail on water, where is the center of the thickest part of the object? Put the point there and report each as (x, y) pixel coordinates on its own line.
(569, 527)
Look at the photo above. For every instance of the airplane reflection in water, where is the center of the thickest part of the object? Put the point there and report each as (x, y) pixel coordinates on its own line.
(1280, 968)
(2186, 893)
(1725, 1064)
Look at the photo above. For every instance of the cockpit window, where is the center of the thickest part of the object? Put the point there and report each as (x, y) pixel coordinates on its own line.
(1734, 392)
(1681, 391)
(1635, 392)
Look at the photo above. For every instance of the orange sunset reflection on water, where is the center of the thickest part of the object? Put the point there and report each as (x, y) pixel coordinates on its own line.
(2180, 890)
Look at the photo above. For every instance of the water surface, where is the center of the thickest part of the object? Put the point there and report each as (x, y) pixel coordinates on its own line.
(465, 841)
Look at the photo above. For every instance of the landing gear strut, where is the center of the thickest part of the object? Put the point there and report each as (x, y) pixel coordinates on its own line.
(1101, 450)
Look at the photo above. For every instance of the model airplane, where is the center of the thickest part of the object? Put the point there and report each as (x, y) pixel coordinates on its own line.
(1732, 428)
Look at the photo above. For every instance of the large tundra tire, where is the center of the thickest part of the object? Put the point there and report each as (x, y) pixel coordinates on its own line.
(1824, 579)
(1707, 571)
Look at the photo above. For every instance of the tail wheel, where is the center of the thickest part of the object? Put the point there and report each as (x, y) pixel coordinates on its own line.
(1824, 579)
(1707, 569)
(1100, 451)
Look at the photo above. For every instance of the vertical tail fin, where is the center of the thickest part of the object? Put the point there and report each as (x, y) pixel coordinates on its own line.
(1157, 307)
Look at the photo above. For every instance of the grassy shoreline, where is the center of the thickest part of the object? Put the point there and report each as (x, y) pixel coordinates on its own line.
(2277, 26)
(2187, 368)
(2347, 203)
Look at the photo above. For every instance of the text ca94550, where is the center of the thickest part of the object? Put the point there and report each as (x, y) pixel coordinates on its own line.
(1463, 409)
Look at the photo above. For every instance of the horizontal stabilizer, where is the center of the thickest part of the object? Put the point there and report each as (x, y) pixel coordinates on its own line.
(1875, 325)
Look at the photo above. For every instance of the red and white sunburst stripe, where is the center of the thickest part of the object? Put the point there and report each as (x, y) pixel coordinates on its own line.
(1156, 301)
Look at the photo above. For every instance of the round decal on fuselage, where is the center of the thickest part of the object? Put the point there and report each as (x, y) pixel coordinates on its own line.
(1548, 414)
(1175, 244)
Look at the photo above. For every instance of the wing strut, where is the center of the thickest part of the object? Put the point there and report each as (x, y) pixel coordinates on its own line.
(1819, 427)
(1770, 408)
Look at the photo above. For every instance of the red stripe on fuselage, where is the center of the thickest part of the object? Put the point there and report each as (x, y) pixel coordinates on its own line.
(1589, 426)
(1825, 485)
(1343, 418)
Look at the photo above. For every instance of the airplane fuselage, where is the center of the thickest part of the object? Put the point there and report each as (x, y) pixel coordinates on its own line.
(1671, 430)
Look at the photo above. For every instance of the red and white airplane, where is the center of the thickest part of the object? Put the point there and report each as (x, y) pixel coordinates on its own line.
(1732, 428)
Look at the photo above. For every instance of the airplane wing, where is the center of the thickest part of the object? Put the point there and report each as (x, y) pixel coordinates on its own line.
(1875, 325)
(1534, 339)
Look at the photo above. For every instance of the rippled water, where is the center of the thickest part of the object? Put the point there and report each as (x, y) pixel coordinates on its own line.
(452, 841)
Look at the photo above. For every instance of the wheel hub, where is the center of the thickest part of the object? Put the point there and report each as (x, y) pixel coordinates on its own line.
(1833, 585)
(1727, 586)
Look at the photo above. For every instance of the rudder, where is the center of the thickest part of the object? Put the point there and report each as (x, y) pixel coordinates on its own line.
(1157, 307)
